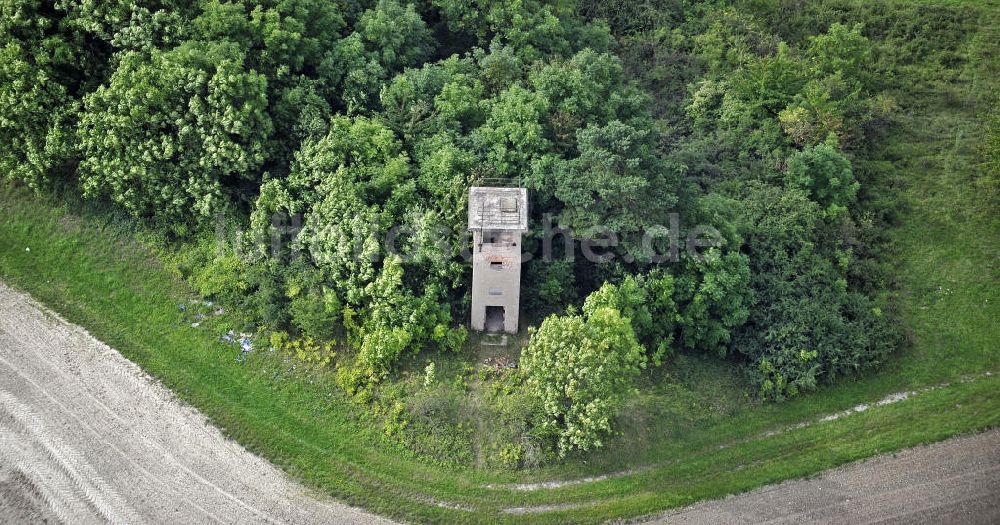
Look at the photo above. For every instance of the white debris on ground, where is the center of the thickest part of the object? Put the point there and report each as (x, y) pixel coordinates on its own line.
(243, 339)
(203, 310)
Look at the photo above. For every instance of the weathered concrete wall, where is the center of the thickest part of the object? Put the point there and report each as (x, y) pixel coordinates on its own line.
(486, 278)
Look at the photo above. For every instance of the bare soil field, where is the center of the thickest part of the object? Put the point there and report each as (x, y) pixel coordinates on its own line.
(86, 436)
(955, 481)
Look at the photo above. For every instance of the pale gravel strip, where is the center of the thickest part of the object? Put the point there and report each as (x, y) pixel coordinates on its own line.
(87, 437)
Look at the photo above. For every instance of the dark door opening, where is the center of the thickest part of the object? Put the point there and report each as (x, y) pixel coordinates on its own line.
(494, 318)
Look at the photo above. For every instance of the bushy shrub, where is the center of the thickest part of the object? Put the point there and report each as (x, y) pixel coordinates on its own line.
(305, 349)
(548, 285)
(786, 373)
(215, 271)
(313, 307)
(580, 368)
(713, 299)
(162, 137)
(36, 118)
(269, 302)
(806, 326)
(826, 174)
(647, 302)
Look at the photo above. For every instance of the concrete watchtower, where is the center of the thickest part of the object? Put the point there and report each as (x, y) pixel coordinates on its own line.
(497, 218)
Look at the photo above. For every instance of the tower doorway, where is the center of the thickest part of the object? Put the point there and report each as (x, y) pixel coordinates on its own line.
(494, 318)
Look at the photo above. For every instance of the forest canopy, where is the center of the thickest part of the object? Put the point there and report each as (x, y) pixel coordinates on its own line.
(317, 128)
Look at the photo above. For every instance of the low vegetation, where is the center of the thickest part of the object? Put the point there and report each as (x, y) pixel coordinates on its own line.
(844, 152)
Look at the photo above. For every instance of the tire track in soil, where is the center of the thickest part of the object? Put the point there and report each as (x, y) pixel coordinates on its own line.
(90, 437)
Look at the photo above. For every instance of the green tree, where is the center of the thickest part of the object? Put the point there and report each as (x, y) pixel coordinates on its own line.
(512, 136)
(499, 67)
(581, 369)
(768, 84)
(841, 50)
(395, 35)
(815, 114)
(282, 38)
(826, 174)
(352, 185)
(713, 300)
(585, 89)
(106, 26)
(299, 111)
(386, 39)
(36, 118)
(833, 100)
(647, 302)
(167, 135)
(532, 28)
(44, 63)
(806, 325)
(314, 308)
(618, 182)
(731, 40)
(441, 96)
(396, 320)
(548, 286)
(438, 226)
(294, 44)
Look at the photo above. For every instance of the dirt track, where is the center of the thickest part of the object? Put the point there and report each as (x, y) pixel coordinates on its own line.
(955, 481)
(86, 436)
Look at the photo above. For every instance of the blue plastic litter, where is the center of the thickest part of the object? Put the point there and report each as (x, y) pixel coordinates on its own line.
(244, 340)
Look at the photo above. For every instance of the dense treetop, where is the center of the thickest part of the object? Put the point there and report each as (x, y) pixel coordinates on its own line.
(326, 125)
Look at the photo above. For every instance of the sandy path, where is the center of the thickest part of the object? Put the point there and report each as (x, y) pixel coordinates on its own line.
(86, 436)
(955, 481)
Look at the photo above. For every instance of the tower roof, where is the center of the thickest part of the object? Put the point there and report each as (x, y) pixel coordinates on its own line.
(493, 208)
